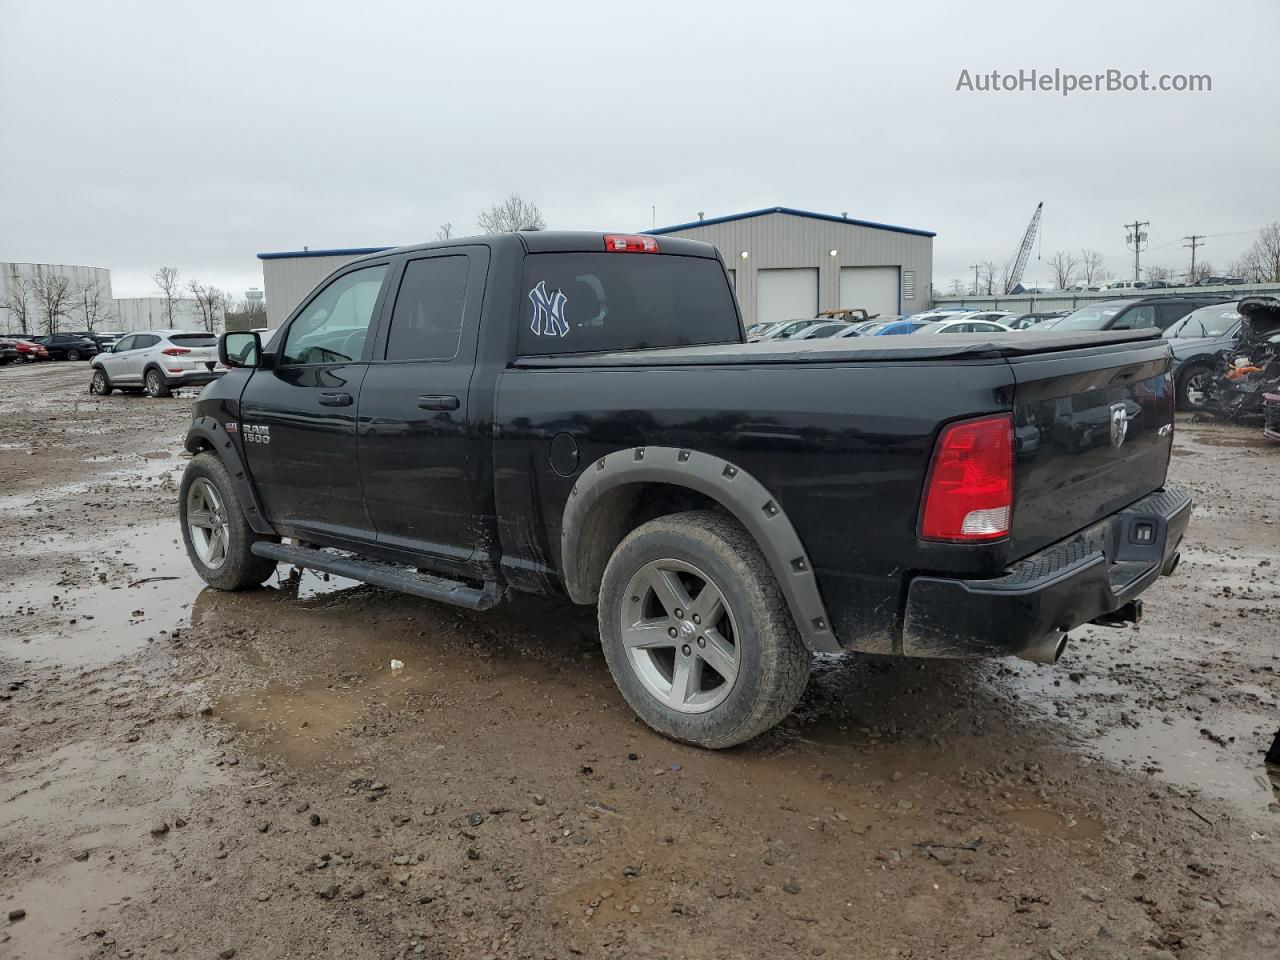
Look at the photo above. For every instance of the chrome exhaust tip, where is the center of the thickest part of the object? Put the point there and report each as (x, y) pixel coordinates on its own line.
(1046, 650)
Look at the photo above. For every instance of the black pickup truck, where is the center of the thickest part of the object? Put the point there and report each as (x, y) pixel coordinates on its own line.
(578, 414)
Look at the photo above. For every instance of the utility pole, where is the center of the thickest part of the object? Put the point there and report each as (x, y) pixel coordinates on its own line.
(1137, 238)
(975, 267)
(1197, 240)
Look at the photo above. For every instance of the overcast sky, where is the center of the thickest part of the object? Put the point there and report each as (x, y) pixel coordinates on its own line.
(135, 135)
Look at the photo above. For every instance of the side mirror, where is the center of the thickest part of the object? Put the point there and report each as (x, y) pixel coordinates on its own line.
(240, 349)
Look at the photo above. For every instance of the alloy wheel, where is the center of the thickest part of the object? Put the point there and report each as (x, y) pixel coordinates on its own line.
(207, 523)
(680, 636)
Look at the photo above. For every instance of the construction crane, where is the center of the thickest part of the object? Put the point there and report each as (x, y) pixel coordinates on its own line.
(1019, 264)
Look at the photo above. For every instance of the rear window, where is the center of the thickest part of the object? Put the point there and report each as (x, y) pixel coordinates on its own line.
(194, 339)
(586, 302)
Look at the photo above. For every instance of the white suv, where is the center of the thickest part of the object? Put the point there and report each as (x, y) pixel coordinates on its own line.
(157, 361)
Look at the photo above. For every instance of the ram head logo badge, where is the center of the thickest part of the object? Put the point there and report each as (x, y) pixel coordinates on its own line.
(1119, 424)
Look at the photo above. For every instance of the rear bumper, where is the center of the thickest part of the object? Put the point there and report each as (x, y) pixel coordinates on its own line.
(1092, 575)
(192, 378)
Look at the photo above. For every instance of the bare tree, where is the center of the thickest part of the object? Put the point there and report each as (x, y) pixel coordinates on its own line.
(1203, 269)
(1091, 268)
(244, 314)
(211, 302)
(91, 306)
(1261, 262)
(54, 297)
(989, 278)
(1063, 267)
(18, 302)
(1154, 272)
(167, 282)
(510, 215)
(445, 231)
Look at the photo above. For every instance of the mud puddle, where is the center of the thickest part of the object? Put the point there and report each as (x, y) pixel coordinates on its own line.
(84, 814)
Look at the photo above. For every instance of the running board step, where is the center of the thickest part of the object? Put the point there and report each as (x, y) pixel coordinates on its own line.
(388, 575)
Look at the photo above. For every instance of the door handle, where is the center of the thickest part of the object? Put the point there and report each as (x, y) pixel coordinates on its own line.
(438, 402)
(335, 399)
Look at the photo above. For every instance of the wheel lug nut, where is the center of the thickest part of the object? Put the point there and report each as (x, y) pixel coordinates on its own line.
(671, 632)
(702, 641)
(685, 650)
(696, 618)
(679, 614)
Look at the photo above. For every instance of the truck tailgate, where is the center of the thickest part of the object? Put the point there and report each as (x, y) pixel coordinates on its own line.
(1093, 430)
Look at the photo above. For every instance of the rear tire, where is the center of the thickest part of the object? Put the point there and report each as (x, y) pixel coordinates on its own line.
(73, 354)
(100, 385)
(655, 585)
(154, 384)
(217, 536)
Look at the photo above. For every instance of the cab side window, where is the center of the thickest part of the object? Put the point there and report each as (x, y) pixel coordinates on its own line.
(332, 328)
(427, 320)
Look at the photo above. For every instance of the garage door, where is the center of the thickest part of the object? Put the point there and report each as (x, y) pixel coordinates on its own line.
(786, 294)
(875, 289)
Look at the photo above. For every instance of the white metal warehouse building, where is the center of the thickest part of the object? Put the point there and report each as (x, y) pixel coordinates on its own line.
(784, 263)
(789, 263)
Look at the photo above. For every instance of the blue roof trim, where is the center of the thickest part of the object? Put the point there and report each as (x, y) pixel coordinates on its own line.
(348, 252)
(795, 213)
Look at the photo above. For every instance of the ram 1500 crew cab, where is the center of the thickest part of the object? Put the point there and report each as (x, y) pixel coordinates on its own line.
(578, 414)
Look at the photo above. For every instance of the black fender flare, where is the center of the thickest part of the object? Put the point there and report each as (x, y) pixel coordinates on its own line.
(207, 433)
(730, 486)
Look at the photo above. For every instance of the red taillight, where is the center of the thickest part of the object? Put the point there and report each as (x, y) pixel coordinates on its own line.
(626, 243)
(174, 351)
(969, 494)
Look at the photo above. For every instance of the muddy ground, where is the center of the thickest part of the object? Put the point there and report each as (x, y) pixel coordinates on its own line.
(194, 774)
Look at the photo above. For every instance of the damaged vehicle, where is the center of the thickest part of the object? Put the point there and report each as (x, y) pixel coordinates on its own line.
(580, 415)
(1250, 370)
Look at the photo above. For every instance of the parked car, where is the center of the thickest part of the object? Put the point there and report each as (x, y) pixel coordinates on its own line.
(1250, 369)
(789, 328)
(68, 346)
(595, 427)
(898, 327)
(998, 316)
(1196, 341)
(1026, 321)
(8, 351)
(941, 313)
(1142, 313)
(1271, 416)
(1216, 281)
(29, 351)
(963, 325)
(820, 331)
(157, 361)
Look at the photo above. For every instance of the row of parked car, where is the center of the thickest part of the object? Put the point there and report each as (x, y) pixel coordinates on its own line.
(1200, 327)
(57, 346)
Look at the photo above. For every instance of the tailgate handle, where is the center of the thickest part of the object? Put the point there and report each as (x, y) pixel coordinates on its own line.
(438, 402)
(335, 399)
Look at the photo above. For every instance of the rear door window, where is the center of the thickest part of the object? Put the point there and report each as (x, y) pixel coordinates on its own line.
(194, 339)
(587, 302)
(427, 320)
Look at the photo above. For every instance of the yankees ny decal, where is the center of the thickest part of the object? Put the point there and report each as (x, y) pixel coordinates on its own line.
(548, 312)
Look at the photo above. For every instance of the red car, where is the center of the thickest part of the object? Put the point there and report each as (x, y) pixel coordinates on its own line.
(29, 352)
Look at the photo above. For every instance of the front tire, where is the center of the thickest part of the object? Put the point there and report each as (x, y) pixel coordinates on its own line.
(155, 385)
(217, 537)
(696, 631)
(100, 385)
(1192, 384)
(73, 354)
